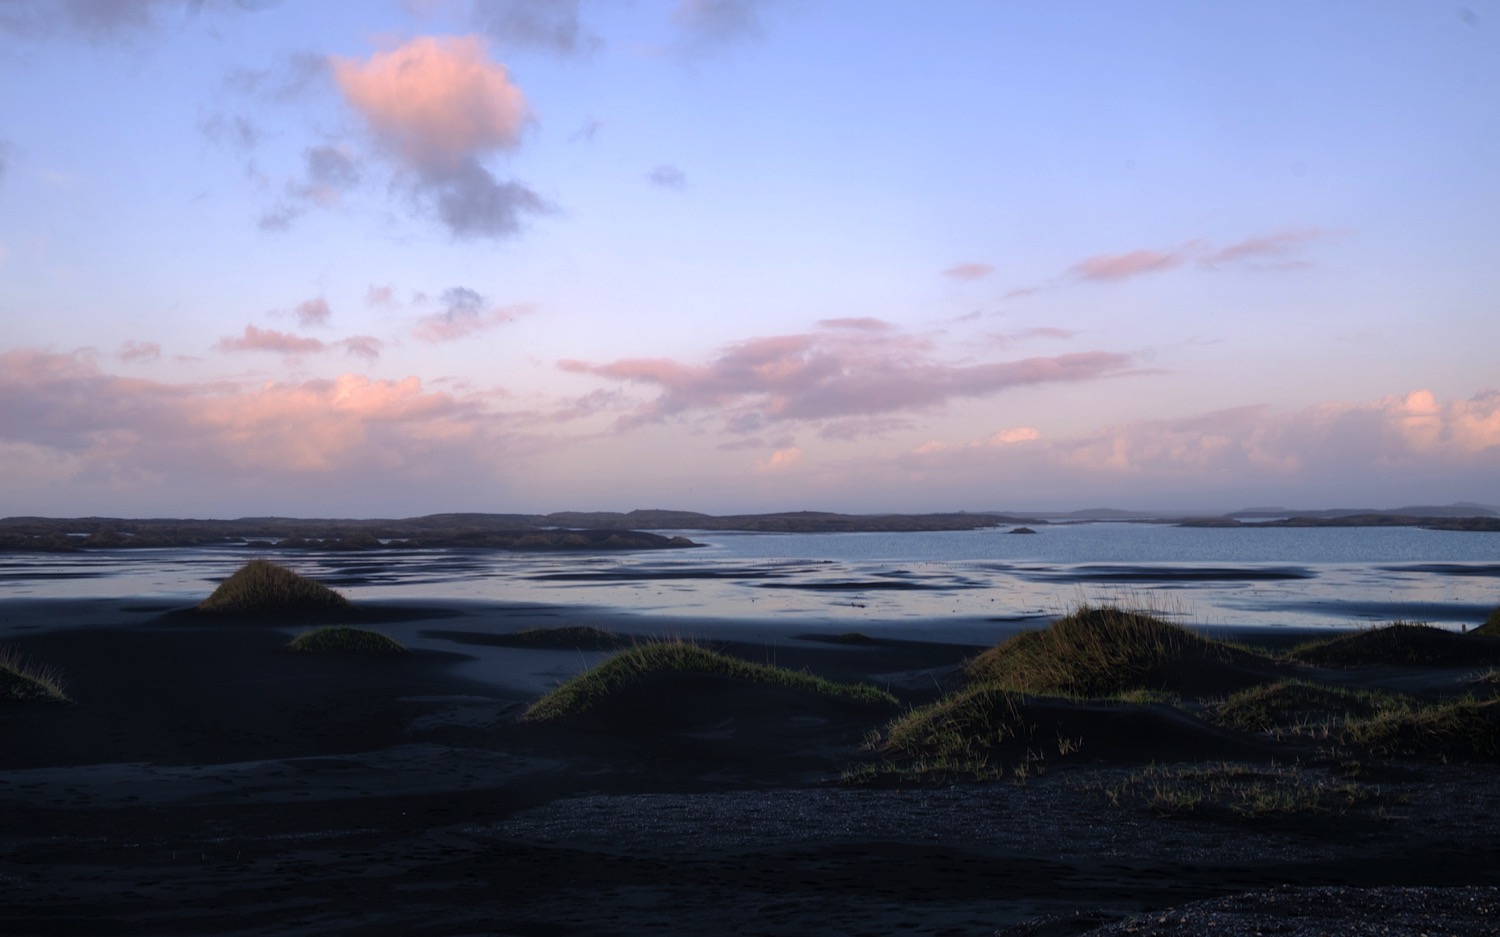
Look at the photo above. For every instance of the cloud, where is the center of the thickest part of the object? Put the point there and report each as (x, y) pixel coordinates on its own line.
(436, 106)
(707, 23)
(105, 20)
(1124, 266)
(667, 176)
(93, 19)
(968, 271)
(465, 313)
(97, 429)
(1276, 247)
(380, 295)
(999, 439)
(780, 460)
(587, 132)
(257, 339)
(831, 375)
(139, 351)
(313, 312)
(365, 346)
(857, 323)
(330, 173)
(279, 218)
(548, 24)
(1398, 446)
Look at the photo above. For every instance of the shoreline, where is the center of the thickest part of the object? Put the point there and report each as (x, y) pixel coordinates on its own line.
(206, 781)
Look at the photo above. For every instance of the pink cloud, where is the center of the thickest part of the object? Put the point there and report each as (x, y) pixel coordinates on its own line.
(437, 106)
(139, 351)
(1388, 451)
(102, 427)
(968, 271)
(257, 339)
(466, 313)
(435, 101)
(313, 312)
(1124, 266)
(780, 460)
(832, 375)
(858, 323)
(1274, 246)
(380, 295)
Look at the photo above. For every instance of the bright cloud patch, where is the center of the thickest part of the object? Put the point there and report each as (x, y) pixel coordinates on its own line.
(98, 426)
(437, 106)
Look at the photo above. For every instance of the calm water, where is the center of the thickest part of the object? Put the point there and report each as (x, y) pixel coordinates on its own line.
(1234, 577)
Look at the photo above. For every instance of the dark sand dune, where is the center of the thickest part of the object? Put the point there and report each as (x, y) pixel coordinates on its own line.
(206, 781)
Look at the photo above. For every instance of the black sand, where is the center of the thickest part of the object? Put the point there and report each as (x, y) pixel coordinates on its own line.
(205, 781)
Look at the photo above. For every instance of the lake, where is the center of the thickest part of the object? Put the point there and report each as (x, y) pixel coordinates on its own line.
(1234, 577)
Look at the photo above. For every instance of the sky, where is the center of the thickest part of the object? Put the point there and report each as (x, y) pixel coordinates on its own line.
(383, 258)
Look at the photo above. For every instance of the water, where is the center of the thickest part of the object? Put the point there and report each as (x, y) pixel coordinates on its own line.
(1309, 577)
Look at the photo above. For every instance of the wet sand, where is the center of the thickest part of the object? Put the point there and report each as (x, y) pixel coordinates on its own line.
(206, 781)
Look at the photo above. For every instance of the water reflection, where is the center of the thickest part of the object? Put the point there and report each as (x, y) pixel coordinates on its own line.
(1230, 577)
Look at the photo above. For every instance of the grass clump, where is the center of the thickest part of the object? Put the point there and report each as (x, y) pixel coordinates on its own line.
(1295, 706)
(338, 639)
(1104, 651)
(572, 637)
(1235, 789)
(262, 587)
(25, 682)
(960, 736)
(1399, 643)
(593, 687)
(1458, 730)
(1491, 626)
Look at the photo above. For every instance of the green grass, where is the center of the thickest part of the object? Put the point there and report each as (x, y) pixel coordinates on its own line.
(1464, 729)
(593, 687)
(568, 637)
(957, 737)
(339, 639)
(1296, 706)
(25, 682)
(1398, 643)
(1235, 789)
(262, 587)
(1098, 652)
(1491, 624)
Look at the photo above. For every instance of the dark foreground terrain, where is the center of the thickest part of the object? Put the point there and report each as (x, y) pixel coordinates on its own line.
(206, 781)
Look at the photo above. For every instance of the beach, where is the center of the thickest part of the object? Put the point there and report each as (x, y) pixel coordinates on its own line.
(205, 780)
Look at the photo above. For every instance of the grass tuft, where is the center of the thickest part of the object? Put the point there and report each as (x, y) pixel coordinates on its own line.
(1465, 729)
(261, 587)
(956, 737)
(339, 639)
(1292, 706)
(593, 687)
(573, 637)
(1491, 626)
(1099, 652)
(25, 682)
(1398, 643)
(1236, 789)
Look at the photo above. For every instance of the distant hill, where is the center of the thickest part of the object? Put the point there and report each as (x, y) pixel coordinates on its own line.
(565, 530)
(1461, 509)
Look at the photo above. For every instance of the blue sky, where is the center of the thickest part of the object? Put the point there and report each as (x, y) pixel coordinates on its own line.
(387, 258)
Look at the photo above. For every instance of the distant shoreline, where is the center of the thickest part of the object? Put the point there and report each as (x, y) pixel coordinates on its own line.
(579, 531)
